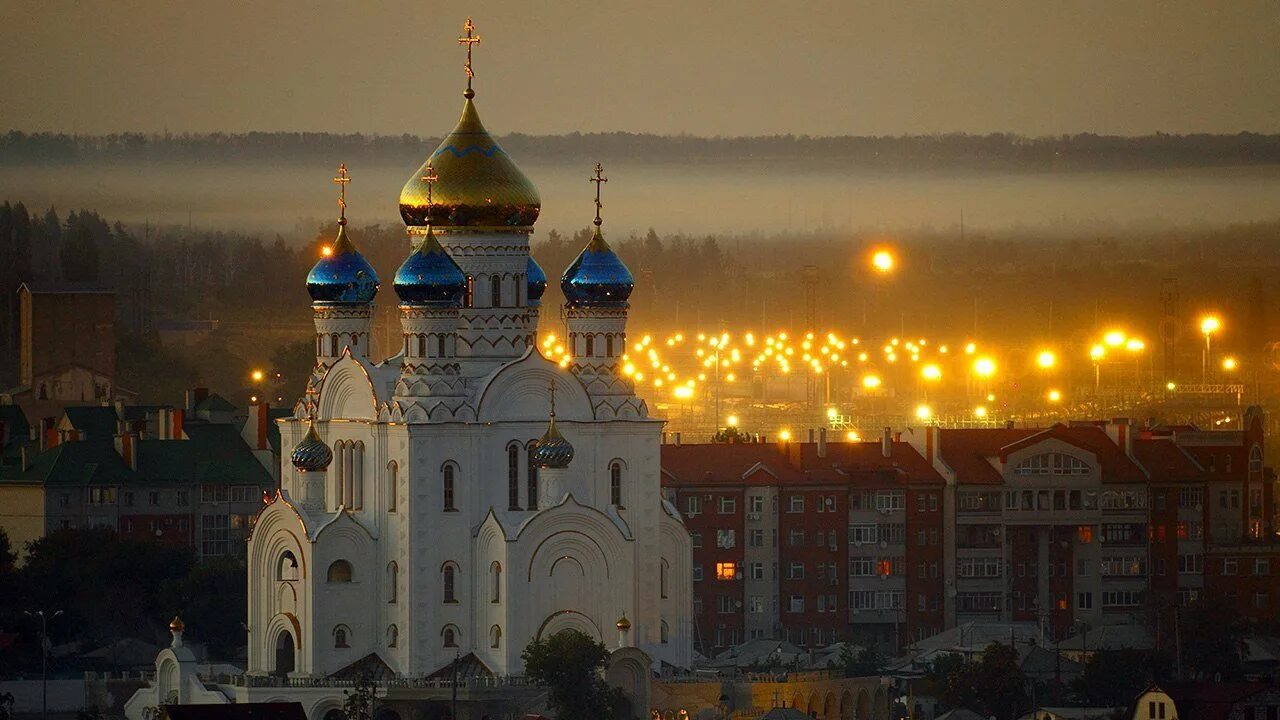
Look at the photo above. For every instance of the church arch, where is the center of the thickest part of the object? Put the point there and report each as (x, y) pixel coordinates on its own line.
(340, 571)
(664, 632)
(393, 581)
(495, 291)
(531, 477)
(830, 708)
(846, 706)
(449, 636)
(562, 620)
(448, 474)
(495, 637)
(513, 476)
(285, 647)
(287, 567)
(392, 487)
(664, 570)
(393, 636)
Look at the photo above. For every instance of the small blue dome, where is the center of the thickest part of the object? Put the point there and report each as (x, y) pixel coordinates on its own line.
(597, 277)
(553, 450)
(311, 454)
(536, 280)
(343, 277)
(430, 277)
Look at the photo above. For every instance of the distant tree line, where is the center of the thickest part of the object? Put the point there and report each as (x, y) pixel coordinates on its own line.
(995, 151)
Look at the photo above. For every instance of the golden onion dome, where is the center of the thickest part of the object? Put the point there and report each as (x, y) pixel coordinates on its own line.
(476, 184)
(176, 624)
(623, 624)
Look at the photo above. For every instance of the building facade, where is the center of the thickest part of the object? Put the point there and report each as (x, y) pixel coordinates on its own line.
(1069, 527)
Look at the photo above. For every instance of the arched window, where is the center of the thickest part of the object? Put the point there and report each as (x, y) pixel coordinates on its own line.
(339, 572)
(663, 568)
(471, 292)
(393, 636)
(1052, 463)
(339, 478)
(495, 582)
(495, 637)
(664, 631)
(495, 291)
(341, 637)
(446, 484)
(1255, 459)
(357, 475)
(513, 476)
(532, 478)
(422, 346)
(440, 345)
(392, 489)
(615, 483)
(287, 566)
(393, 581)
(448, 580)
(333, 345)
(608, 346)
(591, 345)
(449, 636)
(406, 344)
(1226, 463)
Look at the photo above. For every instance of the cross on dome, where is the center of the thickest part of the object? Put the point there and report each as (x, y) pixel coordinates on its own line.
(430, 179)
(342, 181)
(469, 40)
(598, 179)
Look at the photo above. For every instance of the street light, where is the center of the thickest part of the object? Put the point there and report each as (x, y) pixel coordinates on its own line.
(882, 261)
(44, 658)
(1209, 324)
(1229, 364)
(1046, 359)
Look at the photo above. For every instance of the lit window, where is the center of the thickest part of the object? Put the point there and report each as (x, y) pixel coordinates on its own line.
(726, 571)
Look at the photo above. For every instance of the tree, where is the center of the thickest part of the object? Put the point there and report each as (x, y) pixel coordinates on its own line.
(79, 253)
(6, 706)
(360, 699)
(569, 665)
(867, 661)
(993, 685)
(1213, 638)
(1112, 678)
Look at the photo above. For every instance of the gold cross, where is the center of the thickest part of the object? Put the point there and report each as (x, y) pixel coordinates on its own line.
(552, 388)
(429, 179)
(342, 181)
(599, 178)
(469, 40)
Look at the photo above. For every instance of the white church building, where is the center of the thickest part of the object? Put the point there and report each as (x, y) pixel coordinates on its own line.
(466, 495)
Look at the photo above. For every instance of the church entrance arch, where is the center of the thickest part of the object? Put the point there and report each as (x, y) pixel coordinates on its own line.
(284, 653)
(558, 622)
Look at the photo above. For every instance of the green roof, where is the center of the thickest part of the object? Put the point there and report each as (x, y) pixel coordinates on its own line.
(15, 425)
(97, 422)
(215, 403)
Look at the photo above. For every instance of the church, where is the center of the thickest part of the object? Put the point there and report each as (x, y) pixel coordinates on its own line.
(467, 495)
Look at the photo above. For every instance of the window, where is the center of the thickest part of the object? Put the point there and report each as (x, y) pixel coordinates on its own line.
(103, 496)
(495, 637)
(449, 636)
(1262, 566)
(862, 567)
(978, 502)
(664, 632)
(978, 601)
(1084, 534)
(755, 503)
(287, 567)
(393, 636)
(214, 534)
(693, 505)
(727, 571)
(1230, 566)
(697, 573)
(726, 539)
(795, 504)
(1192, 563)
(591, 345)
(1122, 598)
(980, 567)
(796, 604)
(495, 582)
(795, 571)
(513, 477)
(755, 538)
(757, 571)
(495, 297)
(1190, 497)
(795, 538)
(184, 498)
(448, 579)
(1124, 533)
(340, 634)
(615, 483)
(391, 486)
(446, 485)
(890, 501)
(1084, 601)
(1124, 565)
(210, 493)
(532, 479)
(862, 534)
(393, 581)
(239, 494)
(1255, 459)
(724, 604)
(728, 505)
(892, 534)
(1051, 464)
(339, 572)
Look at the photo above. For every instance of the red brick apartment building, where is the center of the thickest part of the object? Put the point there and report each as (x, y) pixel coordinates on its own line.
(1092, 523)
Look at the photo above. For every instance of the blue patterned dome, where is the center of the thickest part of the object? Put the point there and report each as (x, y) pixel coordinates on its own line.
(597, 277)
(536, 280)
(311, 454)
(430, 277)
(343, 277)
(553, 450)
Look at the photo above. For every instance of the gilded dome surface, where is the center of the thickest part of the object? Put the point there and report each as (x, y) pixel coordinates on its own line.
(430, 277)
(343, 277)
(553, 450)
(478, 184)
(535, 279)
(311, 454)
(597, 277)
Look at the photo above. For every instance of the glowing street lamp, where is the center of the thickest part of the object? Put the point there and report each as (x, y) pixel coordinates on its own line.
(980, 412)
(882, 261)
(1229, 363)
(923, 413)
(1209, 324)
(984, 367)
(1046, 359)
(1055, 396)
(732, 421)
(870, 382)
(1114, 338)
(784, 435)
(257, 375)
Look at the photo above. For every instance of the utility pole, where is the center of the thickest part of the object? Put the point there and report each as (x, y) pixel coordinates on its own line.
(453, 703)
(44, 659)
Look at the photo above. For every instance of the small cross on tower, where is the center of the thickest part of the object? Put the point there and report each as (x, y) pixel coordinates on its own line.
(552, 389)
(430, 178)
(469, 39)
(598, 179)
(342, 181)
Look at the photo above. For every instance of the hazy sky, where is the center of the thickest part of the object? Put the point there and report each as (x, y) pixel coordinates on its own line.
(715, 67)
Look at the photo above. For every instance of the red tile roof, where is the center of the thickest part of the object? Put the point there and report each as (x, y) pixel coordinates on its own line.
(966, 451)
(1166, 461)
(796, 464)
(1116, 465)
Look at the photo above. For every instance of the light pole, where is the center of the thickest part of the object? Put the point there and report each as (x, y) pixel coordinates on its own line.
(1209, 324)
(44, 658)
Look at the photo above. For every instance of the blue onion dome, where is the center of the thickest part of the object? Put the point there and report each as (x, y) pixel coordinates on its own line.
(311, 454)
(429, 277)
(476, 185)
(536, 281)
(553, 450)
(343, 276)
(597, 277)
